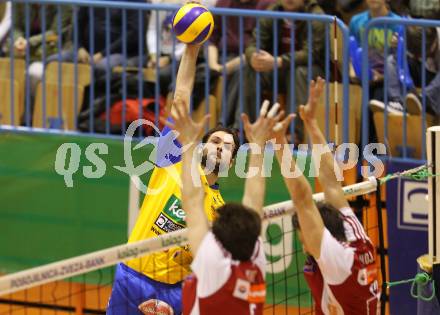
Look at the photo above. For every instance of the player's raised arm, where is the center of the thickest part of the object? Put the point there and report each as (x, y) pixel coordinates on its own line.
(189, 134)
(333, 192)
(258, 134)
(301, 193)
(186, 75)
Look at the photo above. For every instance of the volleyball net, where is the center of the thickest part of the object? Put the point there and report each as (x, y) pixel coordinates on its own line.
(82, 284)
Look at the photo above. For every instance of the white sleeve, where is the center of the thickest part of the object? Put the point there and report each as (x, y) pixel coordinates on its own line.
(212, 266)
(152, 32)
(5, 23)
(180, 48)
(336, 260)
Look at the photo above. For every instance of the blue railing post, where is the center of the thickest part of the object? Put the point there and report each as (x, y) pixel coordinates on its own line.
(61, 123)
(385, 82)
(124, 69)
(11, 57)
(345, 81)
(140, 66)
(257, 75)
(27, 58)
(158, 55)
(423, 131)
(91, 12)
(75, 61)
(241, 53)
(107, 69)
(275, 65)
(207, 79)
(224, 75)
(43, 78)
(292, 76)
(365, 90)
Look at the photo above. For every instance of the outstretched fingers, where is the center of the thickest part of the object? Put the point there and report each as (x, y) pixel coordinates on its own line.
(264, 108)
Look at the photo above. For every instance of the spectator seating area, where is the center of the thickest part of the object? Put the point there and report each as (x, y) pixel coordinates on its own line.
(58, 102)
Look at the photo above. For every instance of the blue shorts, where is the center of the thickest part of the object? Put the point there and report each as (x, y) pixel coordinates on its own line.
(131, 288)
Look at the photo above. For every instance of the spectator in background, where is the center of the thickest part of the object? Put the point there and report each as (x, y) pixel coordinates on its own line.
(343, 9)
(376, 40)
(5, 22)
(232, 50)
(99, 55)
(400, 7)
(427, 9)
(329, 7)
(349, 8)
(432, 71)
(263, 61)
(34, 43)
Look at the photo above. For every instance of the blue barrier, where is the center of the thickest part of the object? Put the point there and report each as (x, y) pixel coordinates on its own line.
(406, 150)
(138, 12)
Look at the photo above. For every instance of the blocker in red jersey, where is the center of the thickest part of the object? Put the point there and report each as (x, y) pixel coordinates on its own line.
(340, 269)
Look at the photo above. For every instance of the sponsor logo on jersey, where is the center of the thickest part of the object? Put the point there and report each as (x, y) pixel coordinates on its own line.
(166, 224)
(257, 293)
(367, 275)
(174, 211)
(241, 290)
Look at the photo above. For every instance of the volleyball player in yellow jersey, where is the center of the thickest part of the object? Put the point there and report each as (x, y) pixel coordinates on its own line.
(144, 282)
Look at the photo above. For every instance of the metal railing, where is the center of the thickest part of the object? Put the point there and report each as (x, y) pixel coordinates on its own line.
(139, 11)
(403, 149)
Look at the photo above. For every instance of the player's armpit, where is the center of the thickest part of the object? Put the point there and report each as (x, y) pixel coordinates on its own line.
(336, 259)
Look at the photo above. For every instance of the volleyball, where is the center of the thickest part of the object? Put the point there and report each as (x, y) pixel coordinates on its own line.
(193, 23)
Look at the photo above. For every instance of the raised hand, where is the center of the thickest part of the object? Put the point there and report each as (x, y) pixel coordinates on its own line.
(263, 61)
(280, 129)
(308, 112)
(189, 131)
(260, 131)
(83, 56)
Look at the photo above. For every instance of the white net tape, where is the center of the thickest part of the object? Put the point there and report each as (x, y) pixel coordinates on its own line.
(107, 257)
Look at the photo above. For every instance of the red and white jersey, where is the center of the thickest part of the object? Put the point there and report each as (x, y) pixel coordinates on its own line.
(344, 278)
(220, 285)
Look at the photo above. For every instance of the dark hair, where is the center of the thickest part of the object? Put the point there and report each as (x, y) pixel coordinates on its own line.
(332, 221)
(232, 131)
(237, 228)
(414, 35)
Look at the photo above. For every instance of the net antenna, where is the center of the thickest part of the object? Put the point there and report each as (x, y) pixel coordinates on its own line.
(433, 150)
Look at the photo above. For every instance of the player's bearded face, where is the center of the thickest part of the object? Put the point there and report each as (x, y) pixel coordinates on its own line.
(217, 153)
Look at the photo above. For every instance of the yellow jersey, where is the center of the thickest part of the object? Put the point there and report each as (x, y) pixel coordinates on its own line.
(161, 213)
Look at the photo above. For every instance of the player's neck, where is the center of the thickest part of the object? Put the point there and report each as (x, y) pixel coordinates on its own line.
(211, 178)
